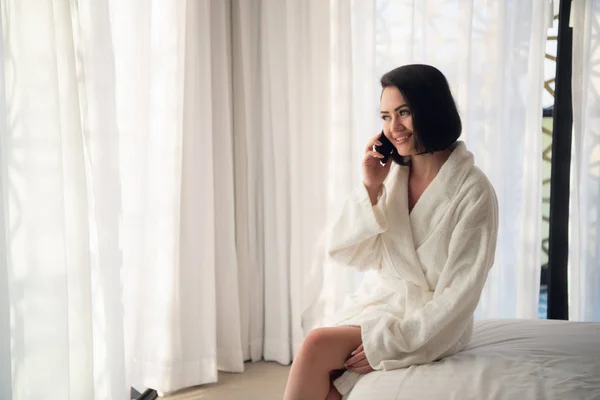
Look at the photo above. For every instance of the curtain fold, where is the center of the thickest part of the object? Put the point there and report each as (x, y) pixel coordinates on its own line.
(60, 203)
(247, 127)
(6, 386)
(281, 77)
(584, 260)
(178, 217)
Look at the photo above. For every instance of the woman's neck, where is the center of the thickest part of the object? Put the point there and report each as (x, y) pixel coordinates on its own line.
(425, 167)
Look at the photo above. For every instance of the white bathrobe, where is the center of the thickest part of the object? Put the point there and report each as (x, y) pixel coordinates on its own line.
(430, 264)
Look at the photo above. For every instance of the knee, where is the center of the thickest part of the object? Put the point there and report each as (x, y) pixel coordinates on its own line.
(314, 343)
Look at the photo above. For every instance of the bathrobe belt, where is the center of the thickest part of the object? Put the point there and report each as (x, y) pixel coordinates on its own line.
(415, 295)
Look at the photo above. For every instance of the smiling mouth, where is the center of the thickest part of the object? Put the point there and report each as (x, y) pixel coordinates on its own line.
(402, 139)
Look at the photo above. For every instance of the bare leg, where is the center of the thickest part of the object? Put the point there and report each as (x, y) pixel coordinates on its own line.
(333, 394)
(323, 350)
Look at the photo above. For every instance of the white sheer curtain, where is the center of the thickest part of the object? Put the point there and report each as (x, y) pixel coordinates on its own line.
(173, 70)
(117, 260)
(61, 299)
(584, 256)
(281, 119)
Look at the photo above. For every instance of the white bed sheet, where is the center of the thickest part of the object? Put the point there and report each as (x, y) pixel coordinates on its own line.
(506, 359)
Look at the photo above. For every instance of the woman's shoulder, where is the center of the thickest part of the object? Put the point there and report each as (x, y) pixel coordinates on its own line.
(465, 179)
(477, 184)
(477, 197)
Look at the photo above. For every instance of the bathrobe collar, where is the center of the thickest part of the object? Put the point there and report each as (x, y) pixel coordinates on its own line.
(414, 227)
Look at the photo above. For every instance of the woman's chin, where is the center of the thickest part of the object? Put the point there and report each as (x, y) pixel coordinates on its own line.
(405, 150)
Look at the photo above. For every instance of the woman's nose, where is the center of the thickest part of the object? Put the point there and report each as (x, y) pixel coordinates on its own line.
(397, 125)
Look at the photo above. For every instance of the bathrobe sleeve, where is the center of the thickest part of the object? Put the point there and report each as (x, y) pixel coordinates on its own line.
(354, 238)
(425, 334)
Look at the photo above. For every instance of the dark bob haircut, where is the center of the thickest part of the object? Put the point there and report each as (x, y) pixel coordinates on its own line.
(436, 123)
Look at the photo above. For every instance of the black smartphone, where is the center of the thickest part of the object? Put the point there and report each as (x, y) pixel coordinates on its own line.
(386, 149)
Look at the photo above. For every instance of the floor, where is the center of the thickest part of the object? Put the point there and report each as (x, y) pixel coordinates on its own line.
(260, 381)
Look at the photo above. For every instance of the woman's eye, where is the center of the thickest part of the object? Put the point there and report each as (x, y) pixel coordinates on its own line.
(385, 117)
(404, 113)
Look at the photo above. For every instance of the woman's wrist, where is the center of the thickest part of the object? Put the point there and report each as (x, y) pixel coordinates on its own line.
(373, 191)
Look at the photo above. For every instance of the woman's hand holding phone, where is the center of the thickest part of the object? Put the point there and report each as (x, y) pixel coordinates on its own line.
(373, 172)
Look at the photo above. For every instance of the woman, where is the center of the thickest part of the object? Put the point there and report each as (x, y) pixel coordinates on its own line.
(427, 226)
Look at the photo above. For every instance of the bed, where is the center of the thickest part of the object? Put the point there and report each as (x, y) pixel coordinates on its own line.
(506, 359)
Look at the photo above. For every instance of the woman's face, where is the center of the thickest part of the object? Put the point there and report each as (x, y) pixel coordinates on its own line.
(397, 121)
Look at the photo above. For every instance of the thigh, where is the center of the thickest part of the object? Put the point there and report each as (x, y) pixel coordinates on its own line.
(332, 346)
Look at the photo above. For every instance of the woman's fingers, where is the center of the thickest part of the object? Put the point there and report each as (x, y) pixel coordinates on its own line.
(373, 141)
(373, 154)
(359, 349)
(356, 358)
(360, 364)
